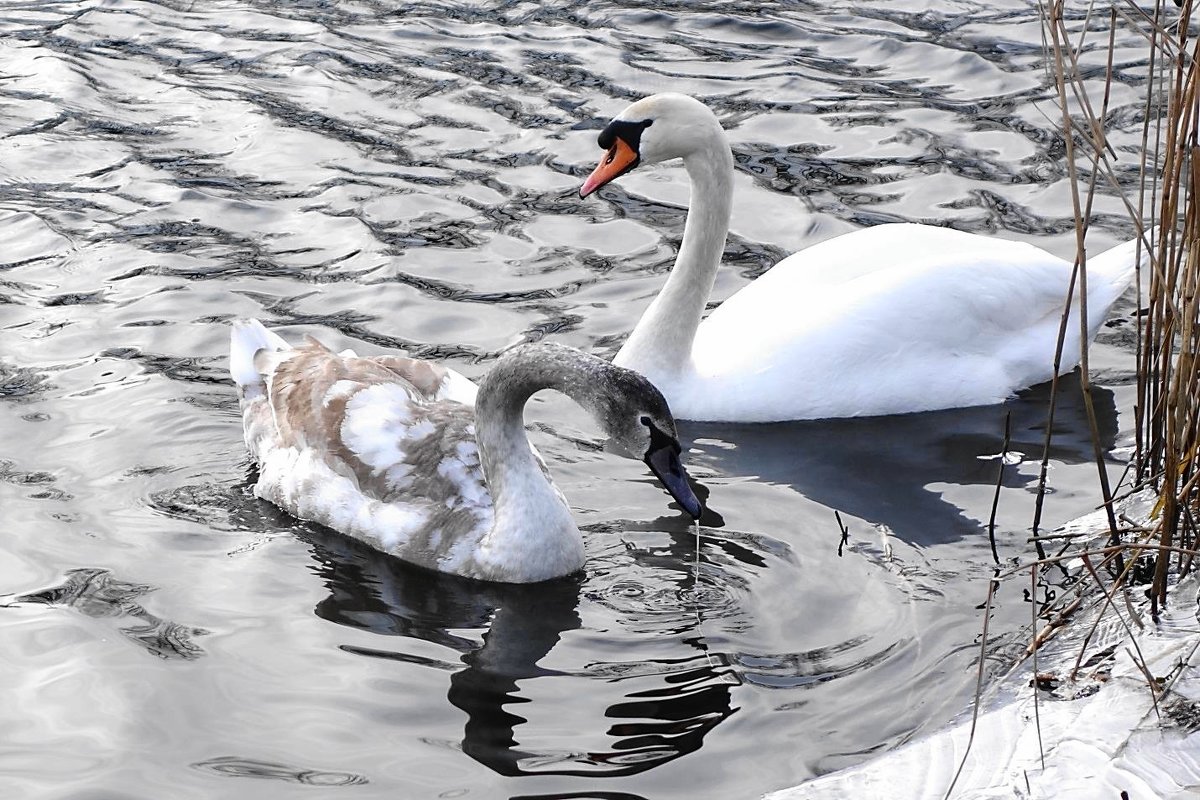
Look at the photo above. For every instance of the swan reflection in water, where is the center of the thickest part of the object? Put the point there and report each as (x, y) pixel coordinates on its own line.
(886, 470)
(674, 705)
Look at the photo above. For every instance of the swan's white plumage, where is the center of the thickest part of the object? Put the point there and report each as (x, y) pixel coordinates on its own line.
(891, 319)
(950, 319)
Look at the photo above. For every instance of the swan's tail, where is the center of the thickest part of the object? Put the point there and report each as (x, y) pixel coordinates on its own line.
(1116, 265)
(246, 340)
(1109, 275)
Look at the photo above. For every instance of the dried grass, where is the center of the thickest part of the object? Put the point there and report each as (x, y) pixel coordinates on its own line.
(1168, 334)
(1081, 45)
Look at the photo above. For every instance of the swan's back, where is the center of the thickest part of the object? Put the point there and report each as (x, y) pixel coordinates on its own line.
(382, 449)
(893, 319)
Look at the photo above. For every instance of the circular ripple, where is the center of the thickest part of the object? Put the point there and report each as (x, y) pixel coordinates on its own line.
(253, 768)
(708, 596)
(650, 602)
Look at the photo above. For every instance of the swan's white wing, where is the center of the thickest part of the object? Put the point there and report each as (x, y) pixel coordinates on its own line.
(899, 246)
(941, 302)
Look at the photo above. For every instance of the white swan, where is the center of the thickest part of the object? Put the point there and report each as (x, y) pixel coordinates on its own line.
(890, 319)
(399, 453)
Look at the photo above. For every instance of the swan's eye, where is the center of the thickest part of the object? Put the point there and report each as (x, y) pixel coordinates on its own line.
(645, 420)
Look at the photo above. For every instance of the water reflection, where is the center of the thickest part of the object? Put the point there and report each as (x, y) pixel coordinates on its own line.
(96, 593)
(886, 470)
(689, 694)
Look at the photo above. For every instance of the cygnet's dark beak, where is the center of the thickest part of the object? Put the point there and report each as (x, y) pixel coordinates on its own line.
(665, 464)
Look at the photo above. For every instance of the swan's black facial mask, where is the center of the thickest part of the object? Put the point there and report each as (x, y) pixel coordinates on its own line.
(663, 460)
(628, 132)
(622, 140)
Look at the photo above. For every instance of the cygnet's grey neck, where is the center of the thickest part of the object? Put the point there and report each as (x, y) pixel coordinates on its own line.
(521, 372)
(530, 514)
(660, 346)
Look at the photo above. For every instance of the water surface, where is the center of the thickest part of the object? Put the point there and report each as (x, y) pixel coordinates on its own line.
(402, 177)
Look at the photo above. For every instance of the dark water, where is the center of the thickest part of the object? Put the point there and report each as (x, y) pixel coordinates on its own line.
(401, 176)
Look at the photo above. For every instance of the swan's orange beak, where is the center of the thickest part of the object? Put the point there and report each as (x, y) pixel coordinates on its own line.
(620, 159)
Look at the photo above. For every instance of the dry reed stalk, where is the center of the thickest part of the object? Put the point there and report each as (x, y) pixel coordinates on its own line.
(1167, 414)
(1168, 405)
(1170, 394)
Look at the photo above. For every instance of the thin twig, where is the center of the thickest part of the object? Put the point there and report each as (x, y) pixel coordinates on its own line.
(1037, 717)
(987, 614)
(999, 483)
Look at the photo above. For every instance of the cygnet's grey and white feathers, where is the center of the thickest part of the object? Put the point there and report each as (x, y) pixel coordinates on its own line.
(404, 455)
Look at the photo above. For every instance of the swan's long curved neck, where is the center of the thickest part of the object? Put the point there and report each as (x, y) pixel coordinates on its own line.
(660, 346)
(532, 525)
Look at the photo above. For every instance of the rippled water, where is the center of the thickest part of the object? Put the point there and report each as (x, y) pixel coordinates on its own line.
(402, 176)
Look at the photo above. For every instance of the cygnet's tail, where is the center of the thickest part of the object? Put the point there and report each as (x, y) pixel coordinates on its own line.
(246, 340)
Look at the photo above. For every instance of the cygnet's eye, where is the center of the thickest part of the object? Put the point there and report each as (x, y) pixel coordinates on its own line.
(645, 420)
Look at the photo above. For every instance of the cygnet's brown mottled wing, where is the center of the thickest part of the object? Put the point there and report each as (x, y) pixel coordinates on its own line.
(381, 449)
